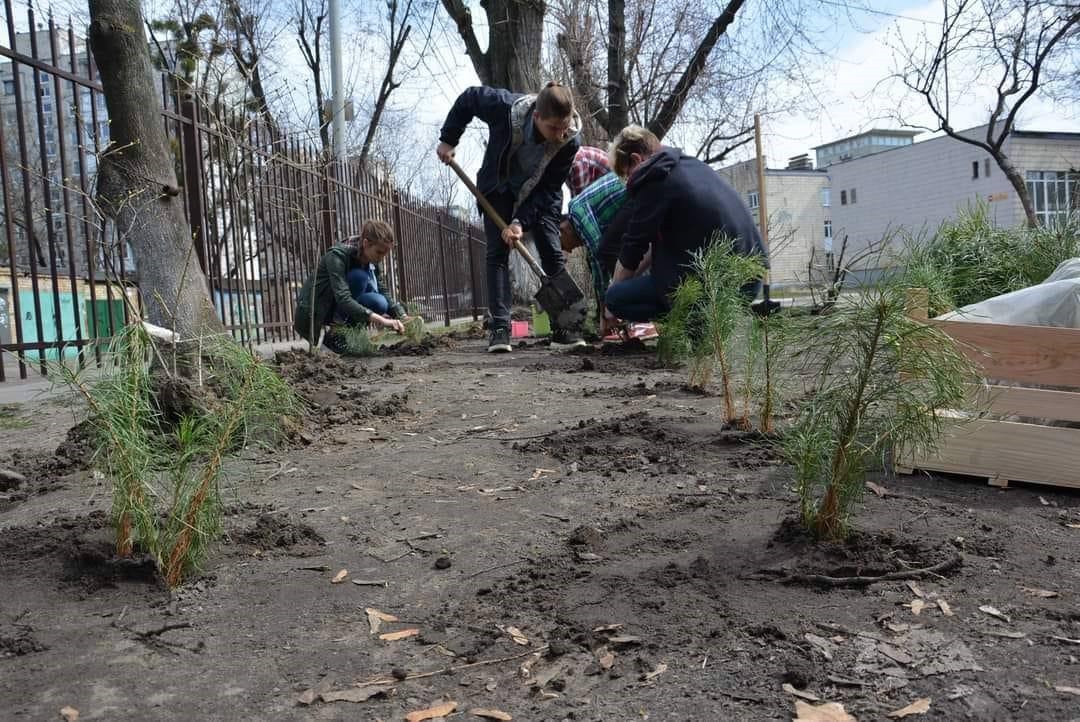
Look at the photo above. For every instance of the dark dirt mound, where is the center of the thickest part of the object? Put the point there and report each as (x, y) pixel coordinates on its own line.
(33, 544)
(92, 563)
(861, 554)
(426, 346)
(73, 454)
(272, 533)
(299, 368)
(17, 642)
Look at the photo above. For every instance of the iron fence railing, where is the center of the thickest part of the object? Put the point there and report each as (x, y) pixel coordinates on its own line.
(262, 207)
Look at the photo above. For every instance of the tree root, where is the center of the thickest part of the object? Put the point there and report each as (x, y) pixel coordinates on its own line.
(823, 580)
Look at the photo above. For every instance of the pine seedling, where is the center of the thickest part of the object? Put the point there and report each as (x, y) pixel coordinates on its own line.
(350, 340)
(415, 329)
(706, 310)
(881, 381)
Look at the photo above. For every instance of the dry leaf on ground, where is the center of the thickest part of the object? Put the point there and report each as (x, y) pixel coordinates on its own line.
(944, 607)
(439, 710)
(605, 659)
(497, 714)
(919, 706)
(1042, 593)
(1067, 690)
(69, 713)
(821, 644)
(660, 669)
(916, 606)
(994, 612)
(402, 634)
(1072, 526)
(877, 489)
(340, 576)
(517, 636)
(608, 627)
(376, 618)
(809, 696)
(828, 712)
(356, 694)
(915, 590)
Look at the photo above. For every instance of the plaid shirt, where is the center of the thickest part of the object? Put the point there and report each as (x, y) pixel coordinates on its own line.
(589, 164)
(590, 214)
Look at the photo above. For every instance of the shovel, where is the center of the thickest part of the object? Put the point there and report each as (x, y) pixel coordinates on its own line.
(559, 295)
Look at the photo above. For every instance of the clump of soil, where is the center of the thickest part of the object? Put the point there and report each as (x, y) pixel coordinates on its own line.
(272, 533)
(327, 368)
(19, 643)
(92, 562)
(861, 554)
(73, 454)
(426, 346)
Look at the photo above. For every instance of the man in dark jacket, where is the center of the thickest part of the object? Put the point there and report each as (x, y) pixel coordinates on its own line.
(326, 297)
(532, 141)
(679, 205)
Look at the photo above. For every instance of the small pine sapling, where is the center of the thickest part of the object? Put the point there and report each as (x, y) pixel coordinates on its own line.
(707, 308)
(881, 379)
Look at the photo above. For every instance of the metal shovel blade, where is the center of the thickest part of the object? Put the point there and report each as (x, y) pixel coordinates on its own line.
(563, 301)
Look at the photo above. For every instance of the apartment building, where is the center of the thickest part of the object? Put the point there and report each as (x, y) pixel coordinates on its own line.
(918, 186)
(798, 204)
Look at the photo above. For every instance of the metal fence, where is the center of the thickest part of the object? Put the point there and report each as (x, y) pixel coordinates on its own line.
(263, 207)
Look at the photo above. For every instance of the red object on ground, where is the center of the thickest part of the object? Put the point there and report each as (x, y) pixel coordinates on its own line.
(519, 329)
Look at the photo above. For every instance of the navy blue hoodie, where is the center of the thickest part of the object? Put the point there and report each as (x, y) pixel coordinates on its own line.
(679, 203)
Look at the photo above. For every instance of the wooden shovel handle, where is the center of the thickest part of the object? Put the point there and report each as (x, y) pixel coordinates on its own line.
(495, 217)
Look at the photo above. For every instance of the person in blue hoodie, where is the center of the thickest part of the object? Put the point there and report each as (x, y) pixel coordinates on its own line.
(532, 140)
(679, 204)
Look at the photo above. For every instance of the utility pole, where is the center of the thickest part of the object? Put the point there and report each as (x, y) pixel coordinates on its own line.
(337, 92)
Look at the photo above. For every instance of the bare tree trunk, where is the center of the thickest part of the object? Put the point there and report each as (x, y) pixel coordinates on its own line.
(515, 37)
(137, 184)
(618, 113)
(1020, 186)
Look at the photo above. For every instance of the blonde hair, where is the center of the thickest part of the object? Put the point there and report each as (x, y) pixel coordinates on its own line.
(631, 139)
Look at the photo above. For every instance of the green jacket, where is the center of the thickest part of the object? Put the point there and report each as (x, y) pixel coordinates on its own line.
(327, 290)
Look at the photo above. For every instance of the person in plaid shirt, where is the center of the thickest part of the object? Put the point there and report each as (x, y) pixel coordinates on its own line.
(590, 164)
(596, 219)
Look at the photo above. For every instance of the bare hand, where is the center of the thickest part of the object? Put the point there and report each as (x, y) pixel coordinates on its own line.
(391, 323)
(609, 323)
(445, 151)
(511, 234)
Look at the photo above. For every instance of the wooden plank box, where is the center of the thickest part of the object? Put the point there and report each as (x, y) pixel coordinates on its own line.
(1015, 358)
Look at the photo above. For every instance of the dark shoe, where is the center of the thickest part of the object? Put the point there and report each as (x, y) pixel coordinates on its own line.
(499, 341)
(563, 340)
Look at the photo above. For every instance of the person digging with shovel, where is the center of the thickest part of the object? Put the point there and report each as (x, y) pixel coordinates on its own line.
(532, 140)
(679, 204)
(344, 290)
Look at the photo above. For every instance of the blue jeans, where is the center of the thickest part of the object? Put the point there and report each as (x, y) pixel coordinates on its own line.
(638, 299)
(545, 235)
(365, 291)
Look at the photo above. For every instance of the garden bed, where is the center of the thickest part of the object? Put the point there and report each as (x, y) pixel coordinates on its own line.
(573, 536)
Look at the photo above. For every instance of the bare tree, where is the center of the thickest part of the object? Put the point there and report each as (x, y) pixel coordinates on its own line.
(1023, 46)
(515, 38)
(311, 18)
(137, 184)
(399, 30)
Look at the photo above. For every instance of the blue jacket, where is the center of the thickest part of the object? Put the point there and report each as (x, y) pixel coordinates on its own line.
(679, 203)
(505, 114)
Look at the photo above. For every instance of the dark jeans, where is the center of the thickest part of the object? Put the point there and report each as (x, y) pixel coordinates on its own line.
(639, 300)
(545, 235)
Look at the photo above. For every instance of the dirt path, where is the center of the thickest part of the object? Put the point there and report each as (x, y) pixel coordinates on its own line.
(590, 503)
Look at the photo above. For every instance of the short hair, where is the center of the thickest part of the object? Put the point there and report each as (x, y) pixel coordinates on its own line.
(631, 139)
(555, 101)
(377, 232)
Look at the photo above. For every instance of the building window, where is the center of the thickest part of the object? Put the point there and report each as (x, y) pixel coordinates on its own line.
(986, 167)
(843, 198)
(852, 196)
(752, 199)
(825, 194)
(828, 229)
(9, 87)
(1054, 194)
(974, 170)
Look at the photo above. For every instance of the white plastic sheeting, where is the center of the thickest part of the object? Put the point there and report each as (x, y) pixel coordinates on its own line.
(1054, 302)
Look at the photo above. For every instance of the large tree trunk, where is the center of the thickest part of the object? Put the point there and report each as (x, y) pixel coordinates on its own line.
(618, 113)
(137, 184)
(1020, 186)
(515, 37)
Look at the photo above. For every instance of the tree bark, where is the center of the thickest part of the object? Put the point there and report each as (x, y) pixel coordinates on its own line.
(137, 184)
(515, 37)
(618, 113)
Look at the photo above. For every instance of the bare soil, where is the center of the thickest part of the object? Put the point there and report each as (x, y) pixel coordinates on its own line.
(575, 537)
